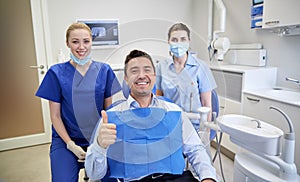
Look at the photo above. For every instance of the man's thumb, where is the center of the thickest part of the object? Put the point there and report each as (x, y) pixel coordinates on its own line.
(104, 117)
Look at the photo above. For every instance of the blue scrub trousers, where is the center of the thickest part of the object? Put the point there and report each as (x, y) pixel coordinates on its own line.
(64, 164)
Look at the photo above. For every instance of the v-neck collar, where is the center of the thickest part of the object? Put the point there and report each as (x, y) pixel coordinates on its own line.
(77, 72)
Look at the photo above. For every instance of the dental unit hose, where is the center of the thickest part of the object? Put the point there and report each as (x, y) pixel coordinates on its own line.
(286, 117)
(289, 140)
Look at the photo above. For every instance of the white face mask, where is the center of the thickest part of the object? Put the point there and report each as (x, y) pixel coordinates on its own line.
(80, 61)
(179, 49)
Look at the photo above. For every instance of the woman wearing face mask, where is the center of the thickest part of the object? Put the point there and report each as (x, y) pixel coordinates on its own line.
(77, 91)
(184, 79)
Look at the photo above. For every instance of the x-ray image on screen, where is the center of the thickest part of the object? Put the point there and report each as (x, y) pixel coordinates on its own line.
(98, 32)
(104, 32)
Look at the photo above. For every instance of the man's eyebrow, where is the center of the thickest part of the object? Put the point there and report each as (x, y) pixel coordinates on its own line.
(148, 66)
(135, 67)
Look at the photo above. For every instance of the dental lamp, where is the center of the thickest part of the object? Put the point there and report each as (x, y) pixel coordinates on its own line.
(218, 44)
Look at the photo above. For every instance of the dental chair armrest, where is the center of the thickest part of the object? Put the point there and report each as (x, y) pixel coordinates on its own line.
(191, 115)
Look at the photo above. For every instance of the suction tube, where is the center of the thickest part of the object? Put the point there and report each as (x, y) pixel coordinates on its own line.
(286, 117)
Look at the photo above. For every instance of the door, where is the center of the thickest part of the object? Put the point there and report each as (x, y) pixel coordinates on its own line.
(24, 118)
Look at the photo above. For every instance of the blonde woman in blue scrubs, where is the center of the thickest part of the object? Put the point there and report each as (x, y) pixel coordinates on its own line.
(183, 78)
(77, 91)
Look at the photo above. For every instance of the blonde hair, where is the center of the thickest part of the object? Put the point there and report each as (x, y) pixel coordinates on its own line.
(75, 26)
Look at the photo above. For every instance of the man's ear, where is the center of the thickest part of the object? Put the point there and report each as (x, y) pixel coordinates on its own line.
(126, 79)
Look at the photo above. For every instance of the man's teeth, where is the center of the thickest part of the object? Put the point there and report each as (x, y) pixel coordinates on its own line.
(142, 83)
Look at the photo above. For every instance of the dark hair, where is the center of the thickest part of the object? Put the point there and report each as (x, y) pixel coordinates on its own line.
(179, 26)
(134, 54)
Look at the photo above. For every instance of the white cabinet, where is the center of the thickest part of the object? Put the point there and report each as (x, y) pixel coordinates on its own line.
(258, 107)
(233, 79)
(281, 13)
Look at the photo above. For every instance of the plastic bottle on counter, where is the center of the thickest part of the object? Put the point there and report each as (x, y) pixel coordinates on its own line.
(61, 57)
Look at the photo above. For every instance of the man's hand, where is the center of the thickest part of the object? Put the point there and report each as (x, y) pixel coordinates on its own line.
(77, 150)
(107, 133)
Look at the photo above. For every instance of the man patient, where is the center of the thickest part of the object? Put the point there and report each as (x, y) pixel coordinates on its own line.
(146, 138)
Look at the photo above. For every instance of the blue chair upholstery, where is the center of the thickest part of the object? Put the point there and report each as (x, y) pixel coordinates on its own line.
(215, 111)
(125, 89)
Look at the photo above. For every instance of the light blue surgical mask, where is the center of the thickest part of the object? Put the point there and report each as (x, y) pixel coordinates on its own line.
(179, 49)
(80, 61)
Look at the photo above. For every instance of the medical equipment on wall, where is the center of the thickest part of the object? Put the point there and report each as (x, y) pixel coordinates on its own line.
(247, 57)
(256, 13)
(218, 44)
(251, 54)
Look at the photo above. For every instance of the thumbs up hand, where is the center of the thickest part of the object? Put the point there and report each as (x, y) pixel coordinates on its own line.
(107, 133)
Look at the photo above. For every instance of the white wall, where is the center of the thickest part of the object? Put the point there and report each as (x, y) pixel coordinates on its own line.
(144, 25)
(282, 52)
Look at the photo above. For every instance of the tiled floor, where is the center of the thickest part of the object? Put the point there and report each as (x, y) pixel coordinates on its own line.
(31, 164)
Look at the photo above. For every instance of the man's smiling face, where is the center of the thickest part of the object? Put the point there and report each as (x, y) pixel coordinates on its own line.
(140, 76)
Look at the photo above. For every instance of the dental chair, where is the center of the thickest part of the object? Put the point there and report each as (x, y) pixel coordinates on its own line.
(215, 110)
(213, 134)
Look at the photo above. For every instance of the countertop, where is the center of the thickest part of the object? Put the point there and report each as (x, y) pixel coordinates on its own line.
(223, 66)
(268, 90)
(280, 94)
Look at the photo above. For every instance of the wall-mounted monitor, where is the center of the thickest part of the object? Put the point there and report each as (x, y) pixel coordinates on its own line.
(256, 2)
(104, 32)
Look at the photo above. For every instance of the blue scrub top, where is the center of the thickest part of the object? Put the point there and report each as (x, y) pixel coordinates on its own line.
(184, 88)
(81, 97)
